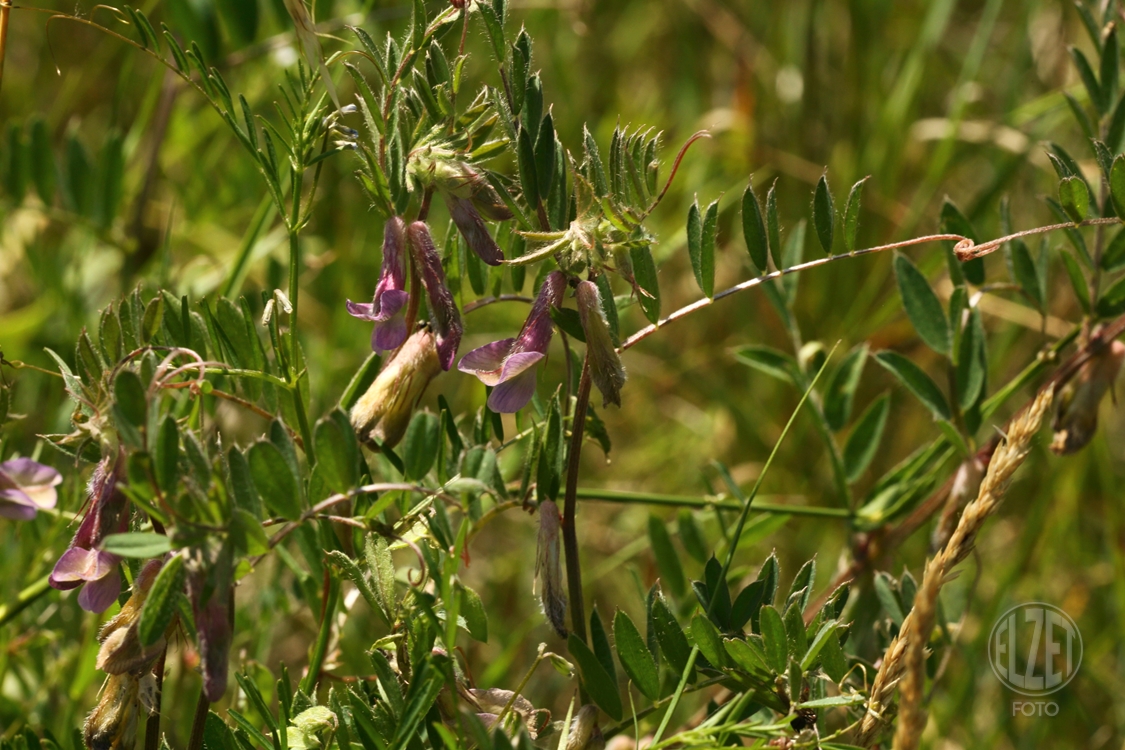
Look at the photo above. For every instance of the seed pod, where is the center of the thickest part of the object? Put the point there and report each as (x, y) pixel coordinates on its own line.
(585, 734)
(112, 725)
(383, 413)
(1076, 416)
(122, 651)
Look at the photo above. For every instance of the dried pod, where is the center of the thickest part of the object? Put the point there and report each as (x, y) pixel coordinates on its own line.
(1076, 415)
(382, 414)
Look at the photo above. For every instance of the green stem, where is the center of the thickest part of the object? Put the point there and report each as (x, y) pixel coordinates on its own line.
(320, 649)
(24, 599)
(683, 501)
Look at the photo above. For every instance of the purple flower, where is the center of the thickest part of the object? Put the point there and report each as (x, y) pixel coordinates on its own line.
(443, 310)
(472, 228)
(83, 562)
(509, 364)
(386, 310)
(25, 487)
(606, 369)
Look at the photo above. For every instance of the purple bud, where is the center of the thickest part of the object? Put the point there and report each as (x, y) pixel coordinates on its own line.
(387, 308)
(508, 364)
(443, 310)
(606, 369)
(473, 229)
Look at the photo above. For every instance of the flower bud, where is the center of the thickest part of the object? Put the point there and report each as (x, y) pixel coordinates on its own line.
(443, 310)
(548, 567)
(1076, 416)
(209, 590)
(606, 369)
(471, 225)
(112, 725)
(382, 413)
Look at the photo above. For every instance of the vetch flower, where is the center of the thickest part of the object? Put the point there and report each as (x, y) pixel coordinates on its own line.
(1076, 418)
(443, 310)
(382, 413)
(25, 487)
(508, 365)
(606, 369)
(548, 567)
(387, 309)
(83, 562)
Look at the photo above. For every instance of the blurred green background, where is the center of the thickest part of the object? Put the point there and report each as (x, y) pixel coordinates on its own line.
(929, 98)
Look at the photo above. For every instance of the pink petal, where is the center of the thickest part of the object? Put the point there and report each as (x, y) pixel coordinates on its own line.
(16, 505)
(26, 472)
(512, 395)
(486, 361)
(79, 564)
(390, 334)
(99, 595)
(361, 310)
(391, 301)
(518, 363)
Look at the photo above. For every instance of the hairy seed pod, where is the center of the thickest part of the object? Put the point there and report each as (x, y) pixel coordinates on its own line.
(548, 567)
(382, 413)
(585, 734)
(122, 651)
(1076, 416)
(112, 725)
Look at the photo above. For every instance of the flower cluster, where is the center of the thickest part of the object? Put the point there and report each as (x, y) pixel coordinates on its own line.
(507, 366)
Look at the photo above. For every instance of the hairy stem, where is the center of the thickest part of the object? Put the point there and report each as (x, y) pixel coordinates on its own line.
(152, 726)
(570, 505)
(965, 250)
(199, 721)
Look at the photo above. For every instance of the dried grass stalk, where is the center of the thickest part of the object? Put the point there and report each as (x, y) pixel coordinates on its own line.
(906, 654)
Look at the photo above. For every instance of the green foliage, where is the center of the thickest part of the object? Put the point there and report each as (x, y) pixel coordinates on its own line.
(217, 375)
